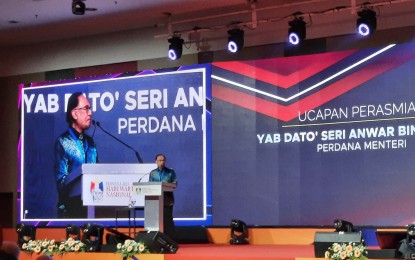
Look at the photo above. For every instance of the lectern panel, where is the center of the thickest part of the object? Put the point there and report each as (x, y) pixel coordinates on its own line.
(324, 240)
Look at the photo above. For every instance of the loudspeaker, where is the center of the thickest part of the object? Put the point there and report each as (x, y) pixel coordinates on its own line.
(324, 240)
(157, 242)
(191, 235)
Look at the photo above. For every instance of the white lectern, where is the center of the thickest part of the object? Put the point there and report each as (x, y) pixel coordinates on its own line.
(111, 184)
(154, 202)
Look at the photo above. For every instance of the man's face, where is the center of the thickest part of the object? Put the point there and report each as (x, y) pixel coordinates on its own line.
(82, 114)
(160, 161)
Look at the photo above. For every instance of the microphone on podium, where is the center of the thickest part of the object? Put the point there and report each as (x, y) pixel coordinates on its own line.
(108, 133)
(139, 180)
(95, 128)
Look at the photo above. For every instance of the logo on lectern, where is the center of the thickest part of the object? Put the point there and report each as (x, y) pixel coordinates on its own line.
(97, 190)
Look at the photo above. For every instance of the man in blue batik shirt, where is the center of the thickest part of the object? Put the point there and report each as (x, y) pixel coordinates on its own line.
(168, 175)
(72, 149)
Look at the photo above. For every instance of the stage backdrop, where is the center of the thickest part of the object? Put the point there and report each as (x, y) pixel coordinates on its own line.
(295, 141)
(152, 112)
(304, 140)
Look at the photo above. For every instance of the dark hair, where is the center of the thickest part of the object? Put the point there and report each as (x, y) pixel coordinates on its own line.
(72, 103)
(160, 154)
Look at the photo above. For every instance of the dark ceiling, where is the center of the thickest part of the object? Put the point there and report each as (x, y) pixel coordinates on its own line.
(35, 21)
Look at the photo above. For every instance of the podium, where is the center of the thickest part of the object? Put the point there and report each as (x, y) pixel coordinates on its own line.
(153, 202)
(111, 184)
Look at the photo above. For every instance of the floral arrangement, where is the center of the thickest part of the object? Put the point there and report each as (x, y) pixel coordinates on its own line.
(47, 247)
(70, 245)
(50, 247)
(352, 251)
(131, 247)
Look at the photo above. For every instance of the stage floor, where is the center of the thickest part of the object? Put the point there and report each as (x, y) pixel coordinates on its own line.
(204, 252)
(265, 243)
(241, 252)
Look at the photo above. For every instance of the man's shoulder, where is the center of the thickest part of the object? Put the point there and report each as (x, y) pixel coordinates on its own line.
(89, 138)
(63, 136)
(168, 169)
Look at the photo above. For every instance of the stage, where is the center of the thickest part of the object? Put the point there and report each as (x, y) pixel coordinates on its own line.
(218, 251)
(264, 243)
(242, 252)
(203, 252)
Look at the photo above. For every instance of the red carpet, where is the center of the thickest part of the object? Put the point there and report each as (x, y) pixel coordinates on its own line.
(241, 252)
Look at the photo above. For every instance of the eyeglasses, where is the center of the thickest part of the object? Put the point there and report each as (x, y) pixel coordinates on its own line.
(85, 108)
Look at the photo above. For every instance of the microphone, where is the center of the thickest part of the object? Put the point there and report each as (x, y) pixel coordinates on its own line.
(136, 152)
(95, 128)
(143, 177)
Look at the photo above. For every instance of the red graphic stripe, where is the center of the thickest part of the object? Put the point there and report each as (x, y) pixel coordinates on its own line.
(250, 102)
(287, 113)
(306, 66)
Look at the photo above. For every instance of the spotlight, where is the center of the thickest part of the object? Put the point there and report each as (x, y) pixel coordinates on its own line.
(78, 7)
(239, 233)
(411, 231)
(406, 249)
(366, 23)
(175, 47)
(235, 40)
(25, 233)
(297, 31)
(73, 231)
(93, 237)
(343, 225)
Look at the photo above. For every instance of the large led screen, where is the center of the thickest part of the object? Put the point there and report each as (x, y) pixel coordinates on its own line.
(307, 139)
(133, 119)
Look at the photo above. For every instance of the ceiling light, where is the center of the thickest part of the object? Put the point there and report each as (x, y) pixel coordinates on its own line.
(78, 7)
(235, 40)
(366, 23)
(297, 31)
(175, 47)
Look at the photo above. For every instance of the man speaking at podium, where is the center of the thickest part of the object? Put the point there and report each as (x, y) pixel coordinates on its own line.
(72, 149)
(168, 175)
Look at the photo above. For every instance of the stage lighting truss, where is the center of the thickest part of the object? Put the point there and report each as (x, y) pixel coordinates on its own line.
(235, 40)
(296, 31)
(366, 23)
(175, 47)
(343, 225)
